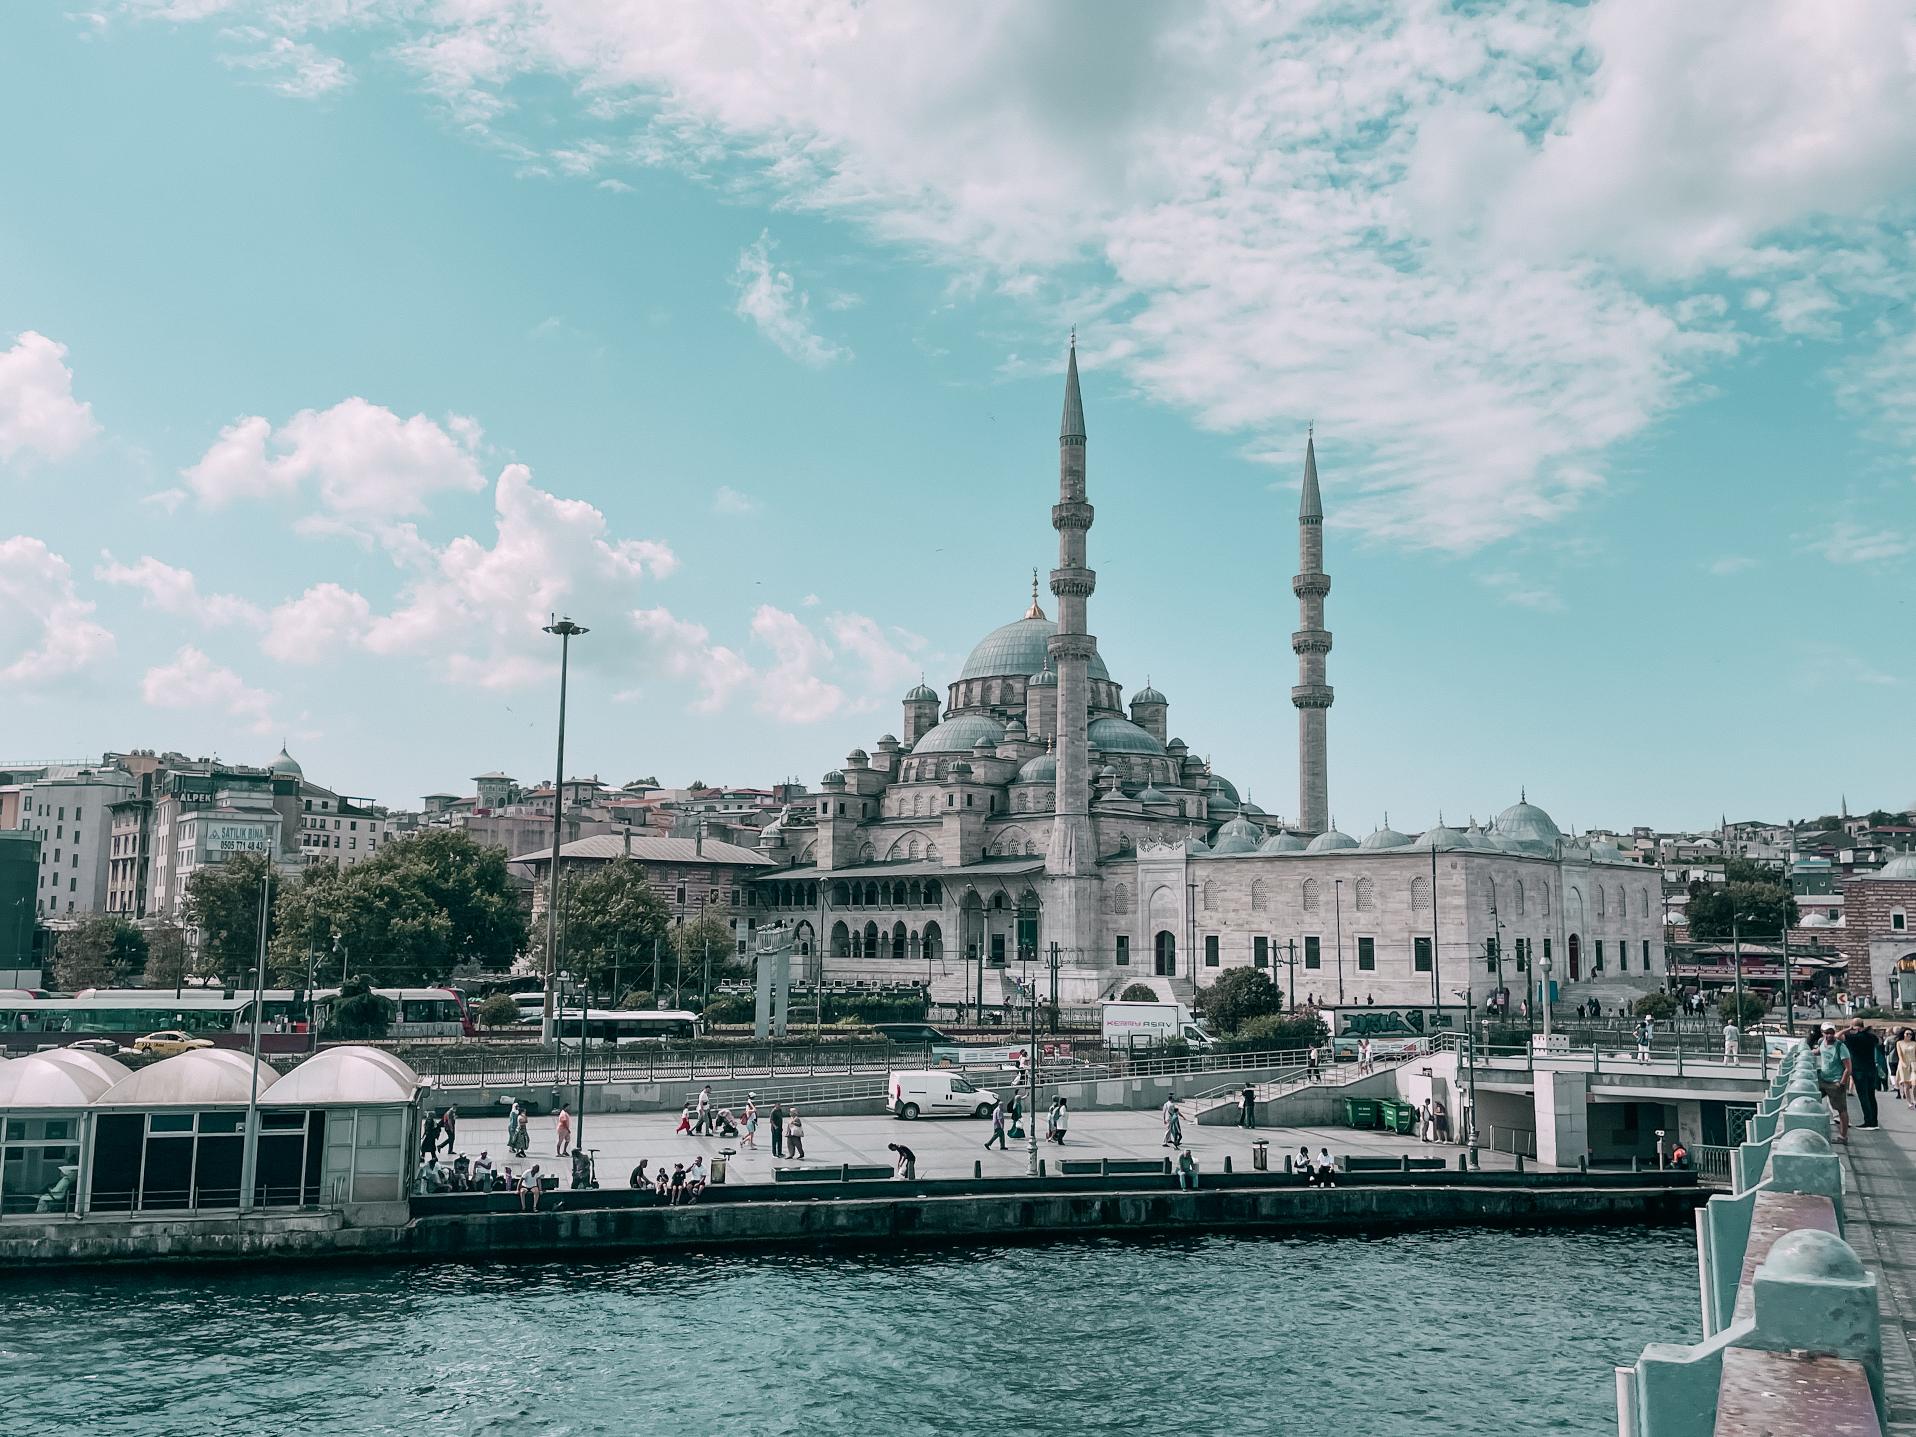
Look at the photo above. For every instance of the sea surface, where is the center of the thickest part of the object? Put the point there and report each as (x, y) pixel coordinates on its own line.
(1496, 1332)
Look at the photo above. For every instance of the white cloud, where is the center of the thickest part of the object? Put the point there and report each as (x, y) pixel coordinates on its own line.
(1515, 588)
(1729, 564)
(890, 658)
(684, 650)
(38, 414)
(728, 500)
(194, 681)
(176, 591)
(480, 609)
(1845, 542)
(317, 625)
(290, 67)
(792, 690)
(363, 461)
(46, 628)
(769, 298)
(166, 500)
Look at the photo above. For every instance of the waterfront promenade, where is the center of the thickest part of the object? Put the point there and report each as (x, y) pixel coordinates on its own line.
(946, 1147)
(1881, 1211)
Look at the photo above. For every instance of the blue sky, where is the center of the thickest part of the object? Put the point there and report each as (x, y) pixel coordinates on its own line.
(342, 340)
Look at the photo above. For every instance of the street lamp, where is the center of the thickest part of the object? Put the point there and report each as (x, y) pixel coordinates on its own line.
(249, 1150)
(1548, 964)
(566, 630)
(1736, 960)
(1469, 1126)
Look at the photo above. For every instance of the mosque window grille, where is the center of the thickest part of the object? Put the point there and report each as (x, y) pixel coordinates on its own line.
(1366, 895)
(1210, 895)
(1519, 897)
(1310, 895)
(1420, 894)
(1259, 900)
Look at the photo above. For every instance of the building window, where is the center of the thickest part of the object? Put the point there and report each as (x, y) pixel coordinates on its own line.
(1124, 951)
(1596, 965)
(1367, 955)
(1313, 953)
(1366, 895)
(1546, 950)
(1419, 893)
(1210, 950)
(1646, 955)
(1260, 952)
(1420, 954)
(1165, 958)
(1897, 921)
(679, 895)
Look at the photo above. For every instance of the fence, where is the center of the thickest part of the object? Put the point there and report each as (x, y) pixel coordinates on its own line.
(616, 1065)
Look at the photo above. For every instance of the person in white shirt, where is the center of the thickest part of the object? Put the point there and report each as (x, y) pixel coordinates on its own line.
(1732, 1042)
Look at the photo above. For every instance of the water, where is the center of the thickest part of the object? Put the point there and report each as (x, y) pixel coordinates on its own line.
(1500, 1332)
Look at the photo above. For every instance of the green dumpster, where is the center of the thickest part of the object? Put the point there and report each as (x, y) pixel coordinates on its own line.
(1360, 1112)
(1402, 1120)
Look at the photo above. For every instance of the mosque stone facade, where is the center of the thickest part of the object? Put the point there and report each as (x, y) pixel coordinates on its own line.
(1032, 813)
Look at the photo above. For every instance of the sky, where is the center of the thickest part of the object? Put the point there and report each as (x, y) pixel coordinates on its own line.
(344, 341)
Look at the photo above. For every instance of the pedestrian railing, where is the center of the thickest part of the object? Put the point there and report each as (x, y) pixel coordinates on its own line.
(1792, 1338)
(621, 1065)
(1712, 1160)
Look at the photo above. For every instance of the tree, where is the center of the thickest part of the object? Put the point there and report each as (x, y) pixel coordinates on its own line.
(222, 901)
(498, 1011)
(700, 942)
(1239, 995)
(609, 920)
(1656, 1005)
(1138, 993)
(1752, 1012)
(167, 955)
(360, 1013)
(1763, 909)
(103, 951)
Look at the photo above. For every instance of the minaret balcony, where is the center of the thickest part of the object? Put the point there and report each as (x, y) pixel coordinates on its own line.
(1311, 641)
(1071, 646)
(1072, 514)
(1078, 582)
(1315, 585)
(1312, 696)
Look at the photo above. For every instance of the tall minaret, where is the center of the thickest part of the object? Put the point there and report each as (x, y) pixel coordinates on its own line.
(1071, 859)
(1310, 643)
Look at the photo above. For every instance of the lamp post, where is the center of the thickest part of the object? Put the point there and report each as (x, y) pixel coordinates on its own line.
(1736, 963)
(249, 1149)
(578, 1122)
(1469, 1133)
(1548, 963)
(566, 630)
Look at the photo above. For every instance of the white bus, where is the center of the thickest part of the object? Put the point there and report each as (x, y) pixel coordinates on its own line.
(629, 1025)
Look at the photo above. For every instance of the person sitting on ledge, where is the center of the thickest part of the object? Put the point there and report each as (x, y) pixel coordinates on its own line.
(1326, 1169)
(1187, 1171)
(639, 1178)
(529, 1190)
(695, 1179)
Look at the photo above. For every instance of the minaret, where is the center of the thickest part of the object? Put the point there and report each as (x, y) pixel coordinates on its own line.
(1071, 859)
(1311, 643)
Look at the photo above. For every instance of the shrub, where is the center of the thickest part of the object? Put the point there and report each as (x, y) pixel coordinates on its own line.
(498, 1011)
(1753, 1009)
(1240, 996)
(1274, 1032)
(1138, 993)
(1655, 1005)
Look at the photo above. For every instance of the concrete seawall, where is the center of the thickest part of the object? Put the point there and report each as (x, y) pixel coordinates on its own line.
(890, 1215)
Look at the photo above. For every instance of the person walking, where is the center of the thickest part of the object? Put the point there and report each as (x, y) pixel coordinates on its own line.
(1310, 1062)
(1170, 1107)
(778, 1130)
(905, 1160)
(1426, 1125)
(1906, 1065)
(1732, 1042)
(1439, 1120)
(1364, 1058)
(1832, 1077)
(748, 1125)
(702, 1126)
(1643, 1040)
(1174, 1130)
(1060, 1119)
(448, 1125)
(997, 1127)
(1016, 1113)
(1866, 1063)
(795, 1136)
(562, 1129)
(1247, 1107)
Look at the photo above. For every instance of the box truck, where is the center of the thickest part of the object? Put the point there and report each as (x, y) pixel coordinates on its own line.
(1148, 1025)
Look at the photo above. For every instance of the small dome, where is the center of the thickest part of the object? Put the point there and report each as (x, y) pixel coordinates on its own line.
(1525, 828)
(960, 769)
(1330, 841)
(834, 779)
(1442, 839)
(1475, 837)
(286, 764)
(1014, 724)
(1148, 695)
(1240, 835)
(1220, 782)
(201, 1077)
(1150, 794)
(1120, 735)
(347, 1075)
(1901, 868)
(33, 1082)
(1177, 745)
(921, 695)
(857, 755)
(1019, 648)
(961, 733)
(1042, 769)
(1282, 843)
(888, 740)
(1107, 772)
(1045, 678)
(1196, 846)
(1385, 837)
(1605, 853)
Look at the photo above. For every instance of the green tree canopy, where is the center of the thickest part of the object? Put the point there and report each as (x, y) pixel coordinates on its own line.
(1763, 908)
(103, 951)
(1139, 993)
(1239, 995)
(610, 920)
(360, 1012)
(167, 956)
(222, 901)
(698, 940)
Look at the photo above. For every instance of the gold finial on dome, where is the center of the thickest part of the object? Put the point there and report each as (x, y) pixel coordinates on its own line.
(1034, 612)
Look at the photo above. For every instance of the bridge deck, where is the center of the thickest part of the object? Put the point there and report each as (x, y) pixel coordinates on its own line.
(1881, 1213)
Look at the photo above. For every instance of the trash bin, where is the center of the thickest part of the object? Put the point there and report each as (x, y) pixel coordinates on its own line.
(1360, 1112)
(718, 1169)
(1261, 1155)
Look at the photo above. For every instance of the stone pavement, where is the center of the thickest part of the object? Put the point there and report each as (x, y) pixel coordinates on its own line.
(946, 1147)
(1881, 1210)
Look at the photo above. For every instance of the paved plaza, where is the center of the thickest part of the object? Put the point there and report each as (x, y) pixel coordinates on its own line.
(946, 1147)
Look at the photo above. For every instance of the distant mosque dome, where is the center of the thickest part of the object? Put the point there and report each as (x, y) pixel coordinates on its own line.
(1150, 794)
(1901, 868)
(1240, 835)
(1282, 843)
(1018, 648)
(1330, 841)
(1385, 837)
(1525, 828)
(1120, 735)
(961, 733)
(1441, 839)
(1148, 695)
(921, 695)
(286, 764)
(1042, 769)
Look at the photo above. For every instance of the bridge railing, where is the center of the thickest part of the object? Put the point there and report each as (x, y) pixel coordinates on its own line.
(1792, 1339)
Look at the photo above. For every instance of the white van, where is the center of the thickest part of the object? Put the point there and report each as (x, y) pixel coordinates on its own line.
(937, 1095)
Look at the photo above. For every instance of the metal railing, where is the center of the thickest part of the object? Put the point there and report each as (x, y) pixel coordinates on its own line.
(1712, 1160)
(621, 1065)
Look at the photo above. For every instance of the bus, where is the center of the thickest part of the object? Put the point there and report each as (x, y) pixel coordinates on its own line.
(124, 1014)
(629, 1025)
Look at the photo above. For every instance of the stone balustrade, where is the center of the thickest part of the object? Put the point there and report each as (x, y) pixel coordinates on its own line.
(1792, 1340)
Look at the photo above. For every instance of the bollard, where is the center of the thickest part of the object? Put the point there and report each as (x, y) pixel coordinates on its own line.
(844, 1172)
(1041, 1172)
(1519, 1158)
(977, 1168)
(1476, 1163)
(1227, 1164)
(1287, 1162)
(1104, 1167)
(1583, 1162)
(1463, 1163)
(1636, 1163)
(1167, 1167)
(1405, 1161)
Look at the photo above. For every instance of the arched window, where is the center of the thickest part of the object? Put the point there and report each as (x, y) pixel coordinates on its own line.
(1518, 898)
(841, 896)
(1546, 900)
(1310, 895)
(858, 944)
(871, 895)
(932, 897)
(1257, 895)
(1366, 895)
(1420, 893)
(934, 943)
(884, 894)
(1031, 849)
(867, 854)
(1643, 903)
(1210, 894)
(1024, 802)
(1164, 954)
(871, 940)
(841, 941)
(898, 943)
(911, 849)
(1596, 898)
(1623, 902)
(931, 853)
(1116, 898)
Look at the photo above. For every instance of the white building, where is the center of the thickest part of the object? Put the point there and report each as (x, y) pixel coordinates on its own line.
(69, 809)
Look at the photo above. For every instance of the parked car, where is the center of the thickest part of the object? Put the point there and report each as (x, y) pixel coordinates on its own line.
(912, 1033)
(927, 1094)
(169, 1042)
(105, 1046)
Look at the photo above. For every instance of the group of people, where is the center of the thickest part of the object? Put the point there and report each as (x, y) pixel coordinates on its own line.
(700, 1117)
(1433, 1120)
(1860, 1059)
(1319, 1174)
(682, 1184)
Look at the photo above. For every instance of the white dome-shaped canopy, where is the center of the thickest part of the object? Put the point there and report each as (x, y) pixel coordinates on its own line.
(205, 1077)
(81, 1060)
(346, 1075)
(33, 1082)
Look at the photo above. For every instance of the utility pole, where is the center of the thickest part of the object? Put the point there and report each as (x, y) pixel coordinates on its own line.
(566, 630)
(249, 1151)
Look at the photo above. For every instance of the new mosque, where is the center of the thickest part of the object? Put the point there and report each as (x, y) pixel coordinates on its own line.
(1031, 816)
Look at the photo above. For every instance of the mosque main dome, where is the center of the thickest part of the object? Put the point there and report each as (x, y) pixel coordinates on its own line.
(1019, 648)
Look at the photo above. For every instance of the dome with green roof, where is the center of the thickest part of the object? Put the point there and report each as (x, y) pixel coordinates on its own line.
(286, 764)
(1240, 835)
(1148, 695)
(1019, 647)
(921, 694)
(1385, 837)
(1282, 843)
(960, 734)
(1120, 735)
(1042, 769)
(1330, 841)
(1525, 828)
